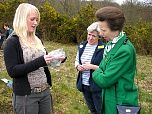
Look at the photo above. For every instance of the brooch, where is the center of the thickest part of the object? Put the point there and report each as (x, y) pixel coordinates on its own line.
(101, 47)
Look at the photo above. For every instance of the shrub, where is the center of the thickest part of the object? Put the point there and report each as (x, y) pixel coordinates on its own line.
(140, 35)
(84, 18)
(50, 21)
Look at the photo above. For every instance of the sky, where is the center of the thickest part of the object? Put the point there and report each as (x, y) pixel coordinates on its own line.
(121, 1)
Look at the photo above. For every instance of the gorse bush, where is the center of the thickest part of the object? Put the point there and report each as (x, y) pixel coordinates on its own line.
(83, 19)
(7, 9)
(140, 35)
(60, 27)
(50, 21)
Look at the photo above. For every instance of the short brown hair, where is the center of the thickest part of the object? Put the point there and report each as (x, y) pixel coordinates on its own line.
(6, 24)
(113, 16)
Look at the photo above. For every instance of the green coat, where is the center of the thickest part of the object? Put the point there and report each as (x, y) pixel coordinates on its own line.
(116, 76)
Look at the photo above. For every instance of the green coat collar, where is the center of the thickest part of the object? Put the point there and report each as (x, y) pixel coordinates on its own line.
(120, 42)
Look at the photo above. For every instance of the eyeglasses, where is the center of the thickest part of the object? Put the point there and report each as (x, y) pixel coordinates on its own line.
(92, 35)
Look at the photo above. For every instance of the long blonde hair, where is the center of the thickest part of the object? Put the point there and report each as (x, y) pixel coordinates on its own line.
(20, 24)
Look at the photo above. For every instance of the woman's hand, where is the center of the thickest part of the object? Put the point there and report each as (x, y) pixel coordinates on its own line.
(89, 66)
(80, 68)
(48, 58)
(62, 58)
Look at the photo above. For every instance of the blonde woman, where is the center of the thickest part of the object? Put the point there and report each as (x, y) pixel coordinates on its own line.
(26, 63)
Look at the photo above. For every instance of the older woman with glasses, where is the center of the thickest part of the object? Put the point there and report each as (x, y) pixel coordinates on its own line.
(88, 57)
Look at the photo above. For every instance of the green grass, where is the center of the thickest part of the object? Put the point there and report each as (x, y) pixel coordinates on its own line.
(144, 76)
(66, 98)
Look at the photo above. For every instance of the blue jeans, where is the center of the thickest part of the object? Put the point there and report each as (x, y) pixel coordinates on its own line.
(93, 100)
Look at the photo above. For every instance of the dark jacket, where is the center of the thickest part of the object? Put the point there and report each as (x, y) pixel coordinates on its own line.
(13, 56)
(96, 59)
(8, 32)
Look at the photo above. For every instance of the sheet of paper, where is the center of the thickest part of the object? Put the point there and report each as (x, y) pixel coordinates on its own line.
(5, 80)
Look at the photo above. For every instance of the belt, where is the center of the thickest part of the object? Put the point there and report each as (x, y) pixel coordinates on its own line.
(39, 89)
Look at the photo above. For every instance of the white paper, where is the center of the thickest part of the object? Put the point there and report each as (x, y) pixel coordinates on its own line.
(56, 55)
(5, 80)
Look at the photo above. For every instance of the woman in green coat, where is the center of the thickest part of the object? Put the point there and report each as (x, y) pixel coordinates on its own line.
(117, 69)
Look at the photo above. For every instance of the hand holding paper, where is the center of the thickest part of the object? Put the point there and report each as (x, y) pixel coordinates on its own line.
(58, 56)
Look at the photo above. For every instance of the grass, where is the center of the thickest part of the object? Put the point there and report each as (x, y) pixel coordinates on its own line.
(66, 98)
(144, 76)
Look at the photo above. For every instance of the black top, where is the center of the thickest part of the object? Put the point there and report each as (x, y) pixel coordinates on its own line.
(13, 57)
(8, 32)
